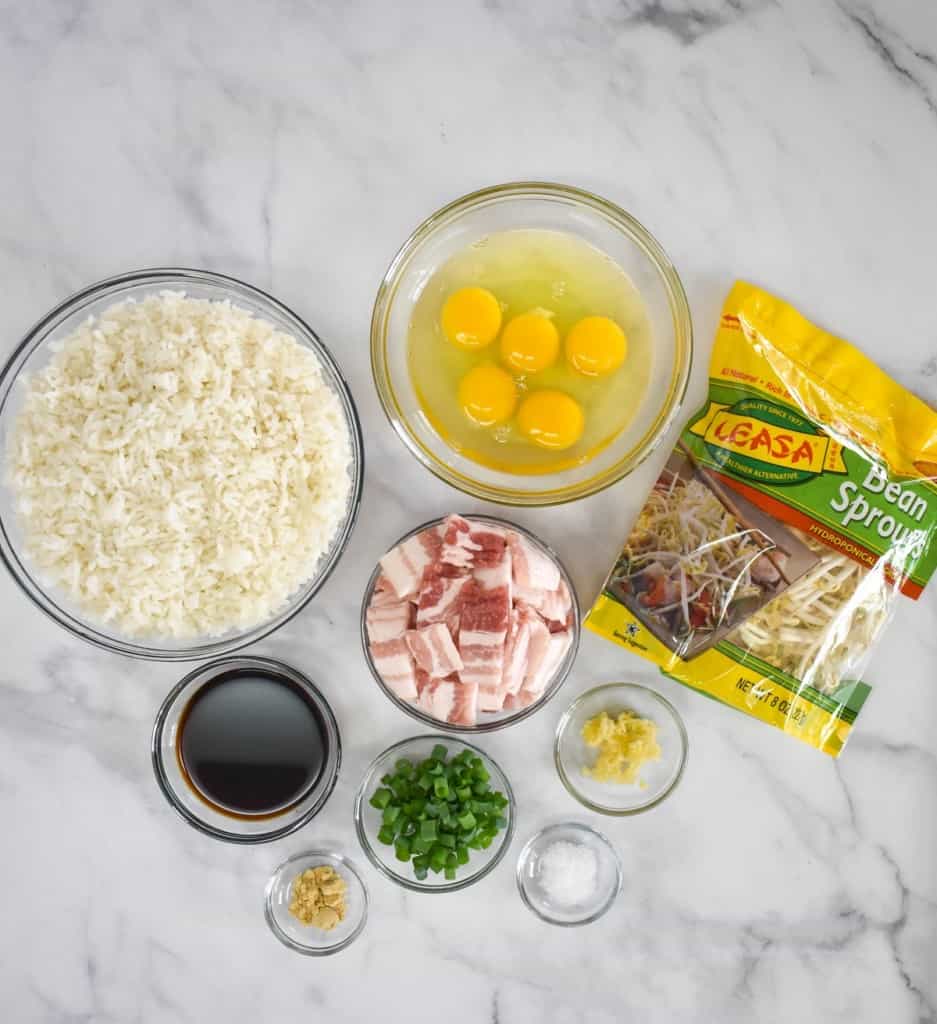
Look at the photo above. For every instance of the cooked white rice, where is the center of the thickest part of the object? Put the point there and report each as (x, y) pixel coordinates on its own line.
(180, 467)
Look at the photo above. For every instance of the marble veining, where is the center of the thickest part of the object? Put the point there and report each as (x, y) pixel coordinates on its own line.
(295, 144)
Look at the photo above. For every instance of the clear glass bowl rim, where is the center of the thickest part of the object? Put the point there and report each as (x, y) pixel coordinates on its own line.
(679, 308)
(525, 853)
(297, 947)
(168, 277)
(548, 694)
(412, 883)
(321, 791)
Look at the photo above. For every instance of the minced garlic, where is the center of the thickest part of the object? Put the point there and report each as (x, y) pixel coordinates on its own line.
(318, 897)
(625, 744)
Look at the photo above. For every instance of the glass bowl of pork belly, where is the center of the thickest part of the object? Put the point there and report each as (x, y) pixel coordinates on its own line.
(470, 623)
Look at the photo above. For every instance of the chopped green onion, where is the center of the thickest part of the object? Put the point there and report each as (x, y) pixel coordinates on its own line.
(381, 798)
(436, 810)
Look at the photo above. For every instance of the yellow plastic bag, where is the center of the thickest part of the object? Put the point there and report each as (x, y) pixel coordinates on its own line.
(798, 502)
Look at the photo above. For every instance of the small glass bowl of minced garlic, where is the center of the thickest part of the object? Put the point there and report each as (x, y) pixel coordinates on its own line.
(316, 903)
(620, 748)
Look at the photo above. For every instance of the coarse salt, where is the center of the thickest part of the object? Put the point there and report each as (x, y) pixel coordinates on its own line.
(568, 873)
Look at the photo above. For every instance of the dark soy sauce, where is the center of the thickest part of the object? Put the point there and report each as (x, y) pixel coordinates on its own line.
(251, 743)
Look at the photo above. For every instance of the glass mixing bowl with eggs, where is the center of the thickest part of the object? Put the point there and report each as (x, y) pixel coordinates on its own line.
(531, 343)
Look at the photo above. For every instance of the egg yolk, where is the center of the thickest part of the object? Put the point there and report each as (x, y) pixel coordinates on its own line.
(595, 346)
(530, 343)
(551, 419)
(487, 395)
(471, 318)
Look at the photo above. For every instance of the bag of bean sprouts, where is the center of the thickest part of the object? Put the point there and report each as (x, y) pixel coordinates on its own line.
(798, 505)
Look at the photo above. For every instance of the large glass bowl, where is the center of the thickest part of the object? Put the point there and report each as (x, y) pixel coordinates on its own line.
(488, 721)
(32, 355)
(558, 208)
(368, 819)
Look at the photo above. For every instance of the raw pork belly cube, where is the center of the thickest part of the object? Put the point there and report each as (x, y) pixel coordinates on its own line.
(519, 701)
(441, 599)
(516, 653)
(481, 644)
(448, 700)
(467, 544)
(433, 650)
(396, 667)
(556, 605)
(388, 620)
(533, 569)
(465, 707)
(458, 548)
(496, 577)
(514, 666)
(536, 680)
(383, 592)
(437, 698)
(484, 624)
(553, 605)
(491, 546)
(538, 642)
(405, 564)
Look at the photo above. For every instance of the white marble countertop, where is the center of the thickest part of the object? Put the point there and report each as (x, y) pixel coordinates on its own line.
(295, 144)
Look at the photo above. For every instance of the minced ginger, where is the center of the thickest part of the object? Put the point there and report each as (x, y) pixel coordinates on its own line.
(318, 897)
(625, 744)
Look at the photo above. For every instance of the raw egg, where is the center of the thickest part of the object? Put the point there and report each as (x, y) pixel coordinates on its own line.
(595, 346)
(551, 419)
(530, 343)
(504, 306)
(487, 395)
(471, 318)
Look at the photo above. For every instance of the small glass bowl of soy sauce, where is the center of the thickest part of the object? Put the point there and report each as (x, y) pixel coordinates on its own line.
(246, 750)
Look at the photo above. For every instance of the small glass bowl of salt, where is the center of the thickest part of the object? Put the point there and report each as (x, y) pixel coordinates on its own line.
(568, 874)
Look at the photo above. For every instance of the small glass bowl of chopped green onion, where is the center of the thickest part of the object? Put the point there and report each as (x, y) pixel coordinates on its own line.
(434, 814)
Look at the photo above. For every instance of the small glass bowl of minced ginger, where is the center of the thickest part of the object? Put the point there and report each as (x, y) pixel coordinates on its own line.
(620, 749)
(316, 903)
